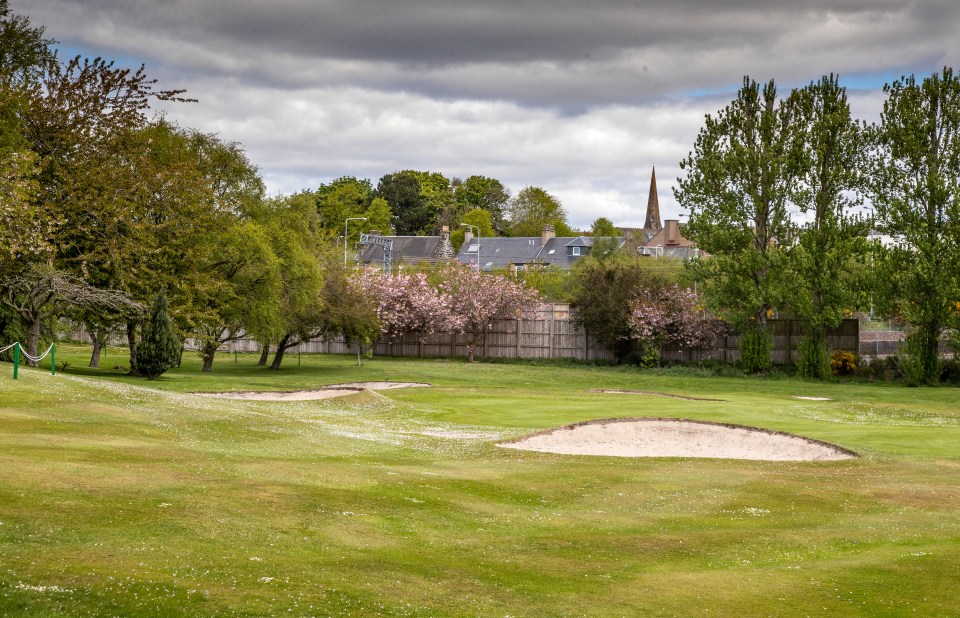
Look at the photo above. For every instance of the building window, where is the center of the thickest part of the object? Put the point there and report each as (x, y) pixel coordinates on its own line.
(574, 250)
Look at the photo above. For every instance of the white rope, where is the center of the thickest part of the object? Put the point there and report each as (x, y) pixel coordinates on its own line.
(2, 350)
(37, 359)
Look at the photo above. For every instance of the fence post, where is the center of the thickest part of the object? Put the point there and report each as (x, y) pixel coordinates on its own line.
(53, 359)
(16, 359)
(519, 335)
(552, 331)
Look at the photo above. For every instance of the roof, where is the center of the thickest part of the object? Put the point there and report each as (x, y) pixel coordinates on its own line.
(410, 249)
(505, 252)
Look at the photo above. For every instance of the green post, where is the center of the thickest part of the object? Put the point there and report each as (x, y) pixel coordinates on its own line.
(16, 359)
(53, 359)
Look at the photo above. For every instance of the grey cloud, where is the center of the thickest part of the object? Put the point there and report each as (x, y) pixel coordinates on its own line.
(566, 53)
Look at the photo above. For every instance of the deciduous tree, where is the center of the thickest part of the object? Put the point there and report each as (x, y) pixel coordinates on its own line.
(739, 180)
(406, 303)
(478, 300)
(826, 264)
(602, 292)
(487, 194)
(915, 189)
(670, 314)
(532, 208)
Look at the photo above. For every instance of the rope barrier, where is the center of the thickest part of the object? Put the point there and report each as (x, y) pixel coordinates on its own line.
(37, 359)
(18, 351)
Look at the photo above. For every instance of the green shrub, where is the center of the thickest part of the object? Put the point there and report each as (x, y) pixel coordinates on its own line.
(912, 363)
(813, 360)
(951, 371)
(644, 357)
(755, 346)
(160, 348)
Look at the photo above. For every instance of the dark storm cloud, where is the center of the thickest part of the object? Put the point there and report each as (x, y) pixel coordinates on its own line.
(578, 97)
(563, 53)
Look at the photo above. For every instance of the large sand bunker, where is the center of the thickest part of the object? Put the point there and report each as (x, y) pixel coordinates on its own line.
(665, 437)
(327, 392)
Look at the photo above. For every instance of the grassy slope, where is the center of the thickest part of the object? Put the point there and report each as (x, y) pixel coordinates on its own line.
(121, 500)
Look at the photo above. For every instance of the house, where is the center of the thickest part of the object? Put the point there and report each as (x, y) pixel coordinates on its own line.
(655, 239)
(659, 240)
(389, 250)
(522, 252)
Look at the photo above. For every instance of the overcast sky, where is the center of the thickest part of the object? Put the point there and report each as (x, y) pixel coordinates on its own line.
(580, 97)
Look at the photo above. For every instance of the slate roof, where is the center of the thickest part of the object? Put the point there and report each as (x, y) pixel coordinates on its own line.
(498, 253)
(411, 249)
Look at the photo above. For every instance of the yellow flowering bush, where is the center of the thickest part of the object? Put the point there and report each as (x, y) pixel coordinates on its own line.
(843, 363)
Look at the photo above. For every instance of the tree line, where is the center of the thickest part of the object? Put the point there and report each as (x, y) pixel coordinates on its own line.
(104, 208)
(105, 212)
(776, 186)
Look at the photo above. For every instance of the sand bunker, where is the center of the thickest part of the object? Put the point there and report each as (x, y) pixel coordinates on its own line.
(327, 392)
(664, 437)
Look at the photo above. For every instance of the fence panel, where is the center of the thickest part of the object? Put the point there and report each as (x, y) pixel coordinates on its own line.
(556, 335)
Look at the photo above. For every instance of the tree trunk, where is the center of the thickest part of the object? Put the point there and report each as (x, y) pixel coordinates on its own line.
(95, 356)
(208, 350)
(33, 339)
(132, 344)
(264, 353)
(99, 337)
(281, 348)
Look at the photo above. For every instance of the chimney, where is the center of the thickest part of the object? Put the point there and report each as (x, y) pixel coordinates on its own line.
(673, 231)
(467, 235)
(548, 232)
(444, 250)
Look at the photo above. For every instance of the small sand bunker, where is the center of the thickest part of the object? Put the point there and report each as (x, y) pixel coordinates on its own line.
(812, 398)
(327, 392)
(665, 437)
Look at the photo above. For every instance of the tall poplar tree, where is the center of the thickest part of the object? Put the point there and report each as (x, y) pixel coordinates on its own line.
(915, 189)
(826, 262)
(739, 179)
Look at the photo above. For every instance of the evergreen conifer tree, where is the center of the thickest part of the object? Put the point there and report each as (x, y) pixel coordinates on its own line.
(159, 350)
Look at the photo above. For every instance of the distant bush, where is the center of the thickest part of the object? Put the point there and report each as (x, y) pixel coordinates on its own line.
(755, 347)
(644, 357)
(843, 363)
(813, 360)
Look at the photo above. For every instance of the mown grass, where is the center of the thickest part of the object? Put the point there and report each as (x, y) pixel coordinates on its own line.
(127, 498)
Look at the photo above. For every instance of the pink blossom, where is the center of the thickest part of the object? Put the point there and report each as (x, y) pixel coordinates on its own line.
(478, 300)
(406, 303)
(671, 314)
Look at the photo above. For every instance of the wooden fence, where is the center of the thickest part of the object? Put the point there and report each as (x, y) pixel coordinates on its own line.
(555, 334)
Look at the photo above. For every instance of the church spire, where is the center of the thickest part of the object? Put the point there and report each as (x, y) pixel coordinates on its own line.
(653, 205)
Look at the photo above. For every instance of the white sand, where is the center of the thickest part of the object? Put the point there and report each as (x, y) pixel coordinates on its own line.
(657, 437)
(328, 392)
(812, 398)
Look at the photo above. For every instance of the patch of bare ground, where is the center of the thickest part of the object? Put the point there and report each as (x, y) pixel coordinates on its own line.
(327, 392)
(670, 437)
